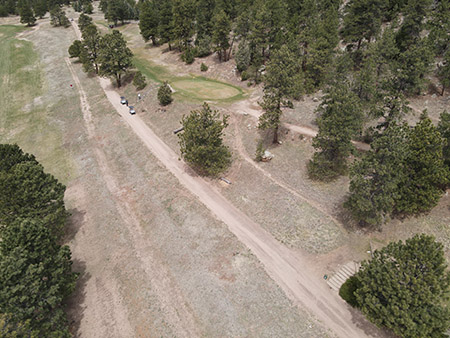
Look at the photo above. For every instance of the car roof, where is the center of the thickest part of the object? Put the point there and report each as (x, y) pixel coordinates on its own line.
(131, 107)
(122, 97)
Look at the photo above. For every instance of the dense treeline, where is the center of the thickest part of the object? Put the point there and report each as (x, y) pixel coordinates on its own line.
(35, 270)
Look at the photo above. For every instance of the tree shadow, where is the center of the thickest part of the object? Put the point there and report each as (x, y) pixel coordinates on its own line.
(74, 223)
(75, 309)
(369, 328)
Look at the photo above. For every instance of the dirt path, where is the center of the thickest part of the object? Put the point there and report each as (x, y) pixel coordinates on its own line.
(245, 157)
(174, 305)
(287, 268)
(252, 108)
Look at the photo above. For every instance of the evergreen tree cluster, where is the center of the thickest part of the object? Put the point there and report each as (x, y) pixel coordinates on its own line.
(29, 10)
(404, 173)
(119, 10)
(404, 288)
(35, 270)
(106, 55)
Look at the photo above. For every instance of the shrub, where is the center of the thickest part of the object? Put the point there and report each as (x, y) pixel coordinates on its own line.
(165, 94)
(259, 152)
(244, 76)
(242, 57)
(347, 291)
(75, 49)
(203, 67)
(203, 47)
(188, 56)
(139, 81)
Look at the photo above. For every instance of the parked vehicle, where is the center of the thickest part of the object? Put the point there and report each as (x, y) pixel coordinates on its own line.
(132, 111)
(123, 100)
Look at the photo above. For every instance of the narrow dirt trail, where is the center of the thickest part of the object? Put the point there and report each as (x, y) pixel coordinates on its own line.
(177, 313)
(245, 157)
(289, 269)
(246, 107)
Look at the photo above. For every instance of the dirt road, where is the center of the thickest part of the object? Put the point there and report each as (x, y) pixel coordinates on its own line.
(286, 267)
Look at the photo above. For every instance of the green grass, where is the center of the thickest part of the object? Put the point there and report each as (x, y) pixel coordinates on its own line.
(201, 88)
(24, 118)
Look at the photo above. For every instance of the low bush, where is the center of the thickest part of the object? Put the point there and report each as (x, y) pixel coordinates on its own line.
(203, 67)
(139, 81)
(347, 291)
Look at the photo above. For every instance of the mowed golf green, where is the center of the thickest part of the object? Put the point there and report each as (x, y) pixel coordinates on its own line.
(197, 88)
(205, 89)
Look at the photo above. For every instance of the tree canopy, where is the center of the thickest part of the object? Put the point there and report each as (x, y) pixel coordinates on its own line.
(201, 142)
(114, 56)
(403, 288)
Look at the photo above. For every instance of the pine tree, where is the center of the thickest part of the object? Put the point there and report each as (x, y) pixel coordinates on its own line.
(148, 21)
(114, 56)
(362, 20)
(26, 15)
(402, 288)
(58, 17)
(139, 81)
(183, 22)
(11, 154)
(283, 75)
(201, 142)
(35, 277)
(444, 72)
(204, 19)
(91, 48)
(165, 94)
(40, 8)
(375, 179)
(165, 28)
(425, 172)
(340, 120)
(75, 49)
(84, 21)
(220, 35)
(29, 192)
(444, 130)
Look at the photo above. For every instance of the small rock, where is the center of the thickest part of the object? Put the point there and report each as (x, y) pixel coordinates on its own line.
(267, 156)
(315, 99)
(279, 142)
(245, 113)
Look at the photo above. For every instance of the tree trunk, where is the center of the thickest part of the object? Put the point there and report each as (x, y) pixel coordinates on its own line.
(118, 80)
(231, 48)
(359, 44)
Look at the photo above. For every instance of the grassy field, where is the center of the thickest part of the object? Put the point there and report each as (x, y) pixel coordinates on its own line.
(26, 105)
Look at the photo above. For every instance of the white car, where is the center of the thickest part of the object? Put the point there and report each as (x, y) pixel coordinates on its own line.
(132, 111)
(123, 100)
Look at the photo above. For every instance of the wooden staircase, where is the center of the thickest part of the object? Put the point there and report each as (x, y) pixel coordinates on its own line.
(349, 269)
